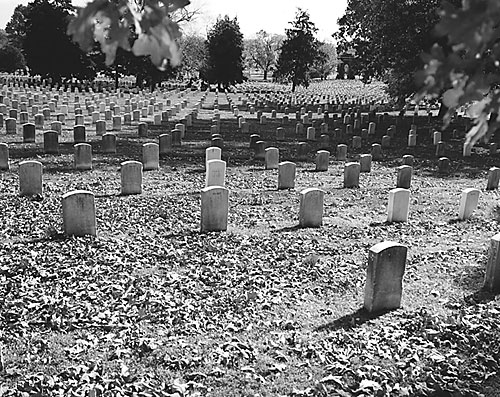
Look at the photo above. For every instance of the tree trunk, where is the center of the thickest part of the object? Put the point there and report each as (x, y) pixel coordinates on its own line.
(265, 74)
(116, 79)
(293, 85)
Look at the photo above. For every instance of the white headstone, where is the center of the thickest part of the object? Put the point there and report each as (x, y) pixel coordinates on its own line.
(384, 276)
(150, 156)
(30, 178)
(399, 204)
(215, 173)
(468, 203)
(131, 177)
(214, 208)
(311, 207)
(286, 175)
(79, 213)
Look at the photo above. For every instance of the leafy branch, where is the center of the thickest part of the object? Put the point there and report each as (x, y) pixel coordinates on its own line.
(469, 74)
(112, 22)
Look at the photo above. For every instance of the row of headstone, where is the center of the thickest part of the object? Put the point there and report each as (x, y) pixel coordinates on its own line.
(386, 260)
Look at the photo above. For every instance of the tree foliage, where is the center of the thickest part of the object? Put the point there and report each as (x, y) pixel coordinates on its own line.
(469, 73)
(16, 27)
(11, 59)
(387, 38)
(110, 23)
(224, 53)
(194, 53)
(261, 51)
(299, 51)
(326, 62)
(49, 51)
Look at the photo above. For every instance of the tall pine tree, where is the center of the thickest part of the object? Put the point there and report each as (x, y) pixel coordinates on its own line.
(299, 51)
(225, 53)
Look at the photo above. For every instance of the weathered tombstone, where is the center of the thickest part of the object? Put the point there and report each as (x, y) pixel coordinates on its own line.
(356, 142)
(468, 203)
(56, 126)
(100, 127)
(311, 134)
(95, 117)
(302, 150)
(341, 152)
(404, 176)
(50, 142)
(117, 123)
(78, 209)
(272, 156)
(214, 208)
(365, 163)
(150, 156)
(412, 140)
(371, 128)
(286, 175)
(260, 150)
(176, 137)
(143, 129)
(79, 135)
(311, 207)
(322, 160)
(212, 153)
(4, 156)
(399, 203)
(386, 141)
(492, 277)
(408, 159)
(182, 128)
(444, 165)
(29, 133)
(127, 119)
(493, 178)
(299, 129)
(108, 143)
(11, 126)
(23, 117)
(440, 148)
(351, 175)
(79, 120)
(215, 173)
(165, 143)
(376, 151)
(384, 276)
(280, 134)
(131, 177)
(254, 138)
(30, 178)
(83, 156)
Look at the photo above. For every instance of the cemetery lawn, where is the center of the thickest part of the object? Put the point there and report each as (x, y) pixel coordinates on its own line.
(152, 307)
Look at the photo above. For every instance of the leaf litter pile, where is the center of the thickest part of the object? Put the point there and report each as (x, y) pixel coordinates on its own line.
(152, 307)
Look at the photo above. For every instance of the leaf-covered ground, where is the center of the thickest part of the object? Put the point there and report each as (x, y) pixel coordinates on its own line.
(151, 307)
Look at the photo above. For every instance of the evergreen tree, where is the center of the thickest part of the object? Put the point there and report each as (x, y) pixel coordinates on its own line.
(299, 51)
(225, 53)
(40, 29)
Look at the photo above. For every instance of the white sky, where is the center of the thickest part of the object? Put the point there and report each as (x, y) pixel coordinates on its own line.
(272, 16)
